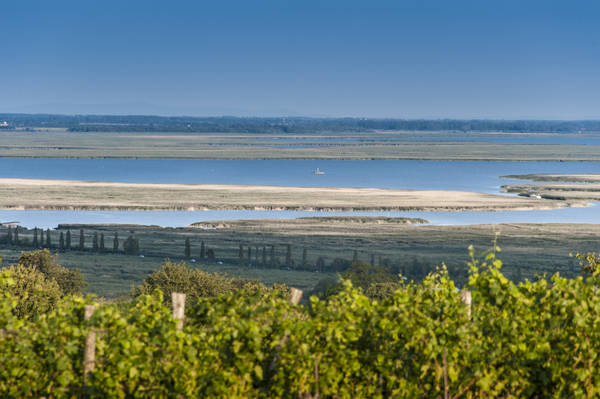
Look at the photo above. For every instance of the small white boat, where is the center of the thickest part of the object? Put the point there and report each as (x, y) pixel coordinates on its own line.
(318, 172)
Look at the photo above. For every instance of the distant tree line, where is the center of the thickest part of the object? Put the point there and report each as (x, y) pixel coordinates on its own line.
(40, 239)
(285, 257)
(225, 124)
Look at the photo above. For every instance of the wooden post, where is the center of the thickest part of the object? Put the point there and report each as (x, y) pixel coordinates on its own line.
(465, 297)
(89, 354)
(295, 295)
(445, 365)
(178, 309)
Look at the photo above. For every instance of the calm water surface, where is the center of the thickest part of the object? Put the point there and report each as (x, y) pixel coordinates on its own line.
(477, 176)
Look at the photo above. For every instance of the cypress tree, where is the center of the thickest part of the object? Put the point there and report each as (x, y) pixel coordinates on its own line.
(16, 237)
(264, 256)
(249, 254)
(304, 260)
(256, 255)
(68, 240)
(9, 236)
(320, 264)
(48, 240)
(95, 242)
(241, 254)
(35, 238)
(61, 241)
(81, 240)
(210, 254)
(188, 250)
(272, 255)
(202, 250)
(131, 246)
(101, 242)
(288, 255)
(116, 243)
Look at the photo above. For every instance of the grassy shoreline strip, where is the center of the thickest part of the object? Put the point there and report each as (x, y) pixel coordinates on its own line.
(86, 195)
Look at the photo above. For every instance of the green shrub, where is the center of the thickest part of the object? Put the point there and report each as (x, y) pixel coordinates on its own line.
(33, 291)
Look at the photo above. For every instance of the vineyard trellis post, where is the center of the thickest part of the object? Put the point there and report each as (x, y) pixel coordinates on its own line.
(465, 297)
(178, 309)
(89, 354)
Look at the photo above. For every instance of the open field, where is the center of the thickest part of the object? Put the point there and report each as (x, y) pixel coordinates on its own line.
(527, 249)
(68, 194)
(367, 145)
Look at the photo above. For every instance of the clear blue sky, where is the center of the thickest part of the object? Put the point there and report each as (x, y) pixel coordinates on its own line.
(409, 59)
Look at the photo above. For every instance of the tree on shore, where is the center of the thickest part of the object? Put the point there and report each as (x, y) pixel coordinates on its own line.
(288, 255)
(9, 236)
(48, 240)
(210, 254)
(272, 256)
(41, 238)
(116, 243)
(16, 237)
(256, 251)
(35, 238)
(188, 249)
(101, 242)
(68, 240)
(320, 264)
(249, 253)
(241, 254)
(95, 242)
(61, 242)
(264, 256)
(131, 246)
(81, 240)
(202, 250)
(304, 260)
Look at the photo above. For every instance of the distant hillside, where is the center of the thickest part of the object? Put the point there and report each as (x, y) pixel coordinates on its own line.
(148, 123)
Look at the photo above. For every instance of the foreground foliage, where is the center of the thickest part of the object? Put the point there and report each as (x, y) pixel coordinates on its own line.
(535, 339)
(39, 283)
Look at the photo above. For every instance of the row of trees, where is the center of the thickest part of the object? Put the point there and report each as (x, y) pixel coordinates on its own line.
(43, 239)
(205, 252)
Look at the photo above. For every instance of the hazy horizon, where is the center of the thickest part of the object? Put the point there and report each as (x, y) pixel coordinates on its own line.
(385, 59)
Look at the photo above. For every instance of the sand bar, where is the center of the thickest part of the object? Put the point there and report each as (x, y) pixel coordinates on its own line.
(548, 177)
(85, 195)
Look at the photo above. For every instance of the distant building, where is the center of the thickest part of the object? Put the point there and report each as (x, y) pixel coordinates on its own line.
(4, 125)
(10, 224)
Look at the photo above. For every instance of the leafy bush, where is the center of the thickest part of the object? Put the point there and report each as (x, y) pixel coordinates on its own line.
(33, 291)
(70, 281)
(38, 283)
(195, 283)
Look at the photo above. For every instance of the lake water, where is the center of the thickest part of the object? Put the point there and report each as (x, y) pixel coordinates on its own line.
(51, 219)
(441, 175)
(477, 176)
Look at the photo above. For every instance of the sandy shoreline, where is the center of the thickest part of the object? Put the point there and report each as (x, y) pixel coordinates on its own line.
(86, 195)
